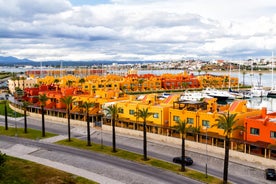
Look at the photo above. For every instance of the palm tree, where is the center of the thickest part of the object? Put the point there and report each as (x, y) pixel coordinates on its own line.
(87, 106)
(182, 128)
(69, 83)
(112, 111)
(42, 99)
(195, 131)
(56, 81)
(82, 81)
(144, 114)
(68, 100)
(140, 83)
(25, 105)
(227, 123)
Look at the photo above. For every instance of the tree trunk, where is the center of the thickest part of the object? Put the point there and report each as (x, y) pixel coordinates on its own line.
(145, 140)
(88, 130)
(113, 135)
(43, 121)
(6, 117)
(25, 121)
(183, 154)
(69, 131)
(226, 160)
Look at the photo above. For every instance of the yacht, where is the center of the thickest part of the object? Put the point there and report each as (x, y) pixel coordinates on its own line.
(258, 91)
(272, 92)
(193, 96)
(221, 95)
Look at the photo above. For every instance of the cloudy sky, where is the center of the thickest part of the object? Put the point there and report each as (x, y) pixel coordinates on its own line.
(43, 30)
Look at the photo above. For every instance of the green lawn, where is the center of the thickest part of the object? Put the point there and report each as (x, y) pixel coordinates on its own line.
(11, 113)
(19, 132)
(18, 171)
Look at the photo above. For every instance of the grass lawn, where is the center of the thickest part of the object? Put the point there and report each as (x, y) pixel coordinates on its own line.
(139, 158)
(19, 132)
(18, 171)
(11, 113)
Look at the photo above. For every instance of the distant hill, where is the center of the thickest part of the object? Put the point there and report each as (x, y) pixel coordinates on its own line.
(13, 61)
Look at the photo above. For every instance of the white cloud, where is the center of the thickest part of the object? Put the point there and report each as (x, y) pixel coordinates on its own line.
(136, 30)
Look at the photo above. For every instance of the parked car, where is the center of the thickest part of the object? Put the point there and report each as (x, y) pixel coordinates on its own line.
(187, 160)
(270, 174)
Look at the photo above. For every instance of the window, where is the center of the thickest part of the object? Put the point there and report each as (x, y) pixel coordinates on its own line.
(205, 123)
(132, 112)
(155, 115)
(176, 118)
(273, 135)
(255, 131)
(190, 121)
(120, 110)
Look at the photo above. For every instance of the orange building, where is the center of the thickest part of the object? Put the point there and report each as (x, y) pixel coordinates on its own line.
(261, 132)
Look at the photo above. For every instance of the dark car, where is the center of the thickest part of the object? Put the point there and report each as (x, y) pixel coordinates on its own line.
(187, 160)
(270, 174)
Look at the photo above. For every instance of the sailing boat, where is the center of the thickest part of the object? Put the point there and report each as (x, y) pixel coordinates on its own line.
(257, 90)
(272, 91)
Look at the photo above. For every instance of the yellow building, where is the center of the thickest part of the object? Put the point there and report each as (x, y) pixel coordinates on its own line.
(202, 116)
(217, 81)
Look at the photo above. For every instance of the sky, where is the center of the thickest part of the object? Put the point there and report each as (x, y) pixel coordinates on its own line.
(137, 30)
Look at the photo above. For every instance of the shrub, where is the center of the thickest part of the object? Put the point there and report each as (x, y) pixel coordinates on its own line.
(3, 158)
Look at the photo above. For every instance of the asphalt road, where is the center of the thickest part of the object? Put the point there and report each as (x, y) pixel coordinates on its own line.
(112, 167)
(131, 144)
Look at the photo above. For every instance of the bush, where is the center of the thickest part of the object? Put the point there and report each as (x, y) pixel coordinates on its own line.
(3, 158)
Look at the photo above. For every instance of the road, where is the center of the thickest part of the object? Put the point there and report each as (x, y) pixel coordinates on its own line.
(160, 151)
(112, 167)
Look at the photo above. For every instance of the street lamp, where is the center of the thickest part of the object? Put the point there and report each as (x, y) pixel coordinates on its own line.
(15, 123)
(206, 167)
(102, 133)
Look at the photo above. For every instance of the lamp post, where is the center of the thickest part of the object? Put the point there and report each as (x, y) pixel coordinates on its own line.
(102, 133)
(206, 167)
(15, 123)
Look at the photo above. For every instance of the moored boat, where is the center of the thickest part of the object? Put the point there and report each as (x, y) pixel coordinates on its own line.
(221, 95)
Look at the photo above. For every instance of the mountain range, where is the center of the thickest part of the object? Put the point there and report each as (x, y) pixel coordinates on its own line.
(13, 61)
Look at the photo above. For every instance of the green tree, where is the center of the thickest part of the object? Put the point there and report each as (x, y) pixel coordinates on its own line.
(112, 111)
(195, 131)
(68, 100)
(140, 83)
(184, 84)
(181, 127)
(227, 123)
(87, 106)
(25, 105)
(82, 81)
(42, 99)
(144, 114)
(69, 83)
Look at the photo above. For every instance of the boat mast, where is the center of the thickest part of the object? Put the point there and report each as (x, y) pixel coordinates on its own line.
(239, 76)
(272, 75)
(229, 78)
